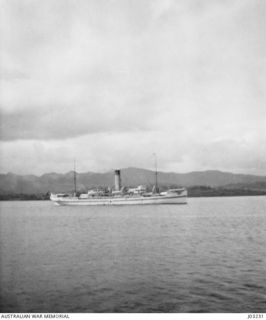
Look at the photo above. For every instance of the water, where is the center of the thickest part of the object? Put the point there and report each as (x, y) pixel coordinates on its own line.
(207, 256)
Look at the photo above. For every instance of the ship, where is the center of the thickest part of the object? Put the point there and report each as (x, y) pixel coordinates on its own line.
(121, 195)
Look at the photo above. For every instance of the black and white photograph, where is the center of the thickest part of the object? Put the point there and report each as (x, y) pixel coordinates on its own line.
(132, 157)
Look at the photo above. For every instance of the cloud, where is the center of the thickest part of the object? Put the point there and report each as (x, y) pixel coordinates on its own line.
(150, 75)
(57, 122)
(101, 152)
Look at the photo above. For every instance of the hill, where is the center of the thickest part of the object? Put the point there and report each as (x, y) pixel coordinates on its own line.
(55, 182)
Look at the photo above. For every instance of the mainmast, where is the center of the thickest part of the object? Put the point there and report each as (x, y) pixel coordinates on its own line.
(75, 179)
(156, 172)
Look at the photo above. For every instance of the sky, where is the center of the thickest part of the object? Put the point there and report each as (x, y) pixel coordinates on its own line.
(111, 82)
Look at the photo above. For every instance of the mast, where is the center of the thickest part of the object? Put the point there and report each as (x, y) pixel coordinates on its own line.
(75, 179)
(156, 172)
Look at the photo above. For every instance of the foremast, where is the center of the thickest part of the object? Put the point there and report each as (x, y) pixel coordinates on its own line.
(75, 179)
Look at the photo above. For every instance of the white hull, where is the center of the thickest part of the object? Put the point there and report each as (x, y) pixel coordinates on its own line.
(122, 200)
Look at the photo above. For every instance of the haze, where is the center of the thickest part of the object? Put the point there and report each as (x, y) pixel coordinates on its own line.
(111, 82)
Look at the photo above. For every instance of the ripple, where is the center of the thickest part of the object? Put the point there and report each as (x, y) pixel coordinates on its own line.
(206, 257)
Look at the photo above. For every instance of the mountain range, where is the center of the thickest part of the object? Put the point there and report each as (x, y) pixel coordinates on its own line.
(58, 182)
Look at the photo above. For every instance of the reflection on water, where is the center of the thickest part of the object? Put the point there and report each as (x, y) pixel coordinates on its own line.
(207, 256)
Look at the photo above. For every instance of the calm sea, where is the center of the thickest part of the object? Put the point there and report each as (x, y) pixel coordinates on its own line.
(207, 256)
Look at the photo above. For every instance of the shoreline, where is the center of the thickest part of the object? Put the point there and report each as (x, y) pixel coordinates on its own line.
(30, 197)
